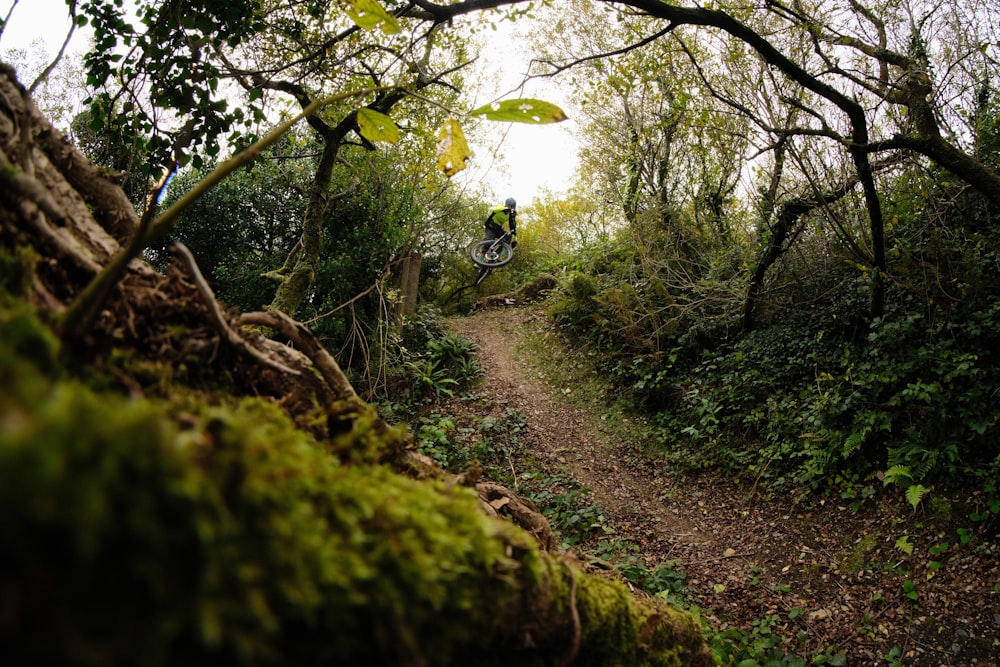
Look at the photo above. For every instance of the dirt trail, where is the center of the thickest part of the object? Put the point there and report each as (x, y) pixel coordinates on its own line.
(819, 573)
(570, 437)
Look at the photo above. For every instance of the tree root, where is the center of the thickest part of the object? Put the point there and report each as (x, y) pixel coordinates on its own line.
(302, 337)
(208, 298)
(498, 500)
(531, 291)
(574, 648)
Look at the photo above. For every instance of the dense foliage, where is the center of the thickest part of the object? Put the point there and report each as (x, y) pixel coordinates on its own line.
(798, 282)
(802, 277)
(817, 388)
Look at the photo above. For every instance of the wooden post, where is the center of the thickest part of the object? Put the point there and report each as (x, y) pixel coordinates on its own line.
(409, 281)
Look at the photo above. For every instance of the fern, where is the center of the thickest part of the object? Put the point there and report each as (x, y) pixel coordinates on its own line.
(915, 493)
(897, 474)
(853, 443)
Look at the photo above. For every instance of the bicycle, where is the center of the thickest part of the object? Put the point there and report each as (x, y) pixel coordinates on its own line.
(491, 254)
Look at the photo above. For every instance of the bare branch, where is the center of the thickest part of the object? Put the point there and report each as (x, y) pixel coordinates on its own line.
(218, 320)
(304, 339)
(556, 69)
(62, 50)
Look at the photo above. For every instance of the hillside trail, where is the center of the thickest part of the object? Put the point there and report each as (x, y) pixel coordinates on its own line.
(810, 577)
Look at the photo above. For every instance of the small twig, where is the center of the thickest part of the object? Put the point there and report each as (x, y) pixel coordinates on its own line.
(718, 558)
(376, 285)
(574, 650)
(753, 489)
(208, 298)
(59, 56)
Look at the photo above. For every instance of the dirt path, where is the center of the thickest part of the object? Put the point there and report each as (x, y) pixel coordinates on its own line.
(811, 577)
(567, 436)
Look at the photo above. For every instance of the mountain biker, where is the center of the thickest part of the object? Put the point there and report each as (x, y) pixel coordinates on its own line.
(505, 214)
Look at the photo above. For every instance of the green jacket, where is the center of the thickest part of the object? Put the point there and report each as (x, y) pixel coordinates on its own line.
(501, 217)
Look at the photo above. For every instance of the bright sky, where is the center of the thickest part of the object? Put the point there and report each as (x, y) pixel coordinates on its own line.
(47, 20)
(513, 160)
(518, 159)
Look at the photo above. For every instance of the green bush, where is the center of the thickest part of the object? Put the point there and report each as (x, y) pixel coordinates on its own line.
(425, 364)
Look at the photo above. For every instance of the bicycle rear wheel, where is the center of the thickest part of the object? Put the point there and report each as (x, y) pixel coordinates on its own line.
(491, 253)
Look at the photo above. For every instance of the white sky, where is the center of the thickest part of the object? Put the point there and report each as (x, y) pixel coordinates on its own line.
(512, 160)
(529, 157)
(518, 159)
(47, 20)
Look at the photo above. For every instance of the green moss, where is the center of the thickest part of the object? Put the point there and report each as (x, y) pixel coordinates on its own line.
(359, 435)
(30, 340)
(16, 271)
(293, 289)
(146, 533)
(854, 560)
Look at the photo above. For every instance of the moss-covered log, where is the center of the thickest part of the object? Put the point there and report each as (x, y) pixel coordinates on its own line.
(143, 533)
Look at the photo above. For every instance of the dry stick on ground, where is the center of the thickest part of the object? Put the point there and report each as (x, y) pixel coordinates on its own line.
(520, 512)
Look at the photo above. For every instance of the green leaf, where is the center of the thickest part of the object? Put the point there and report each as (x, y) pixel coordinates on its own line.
(914, 494)
(375, 126)
(452, 148)
(523, 110)
(904, 545)
(897, 473)
(853, 443)
(369, 14)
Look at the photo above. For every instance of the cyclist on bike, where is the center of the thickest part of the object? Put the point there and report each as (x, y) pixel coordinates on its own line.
(505, 214)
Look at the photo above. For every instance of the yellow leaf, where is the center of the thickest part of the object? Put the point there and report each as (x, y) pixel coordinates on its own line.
(368, 14)
(452, 148)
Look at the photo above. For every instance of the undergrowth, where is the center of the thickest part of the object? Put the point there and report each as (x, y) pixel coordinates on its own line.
(582, 527)
(806, 397)
(470, 429)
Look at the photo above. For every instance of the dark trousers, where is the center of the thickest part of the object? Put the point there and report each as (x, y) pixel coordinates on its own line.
(493, 231)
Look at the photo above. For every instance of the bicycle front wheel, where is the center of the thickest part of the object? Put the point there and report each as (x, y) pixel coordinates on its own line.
(491, 254)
